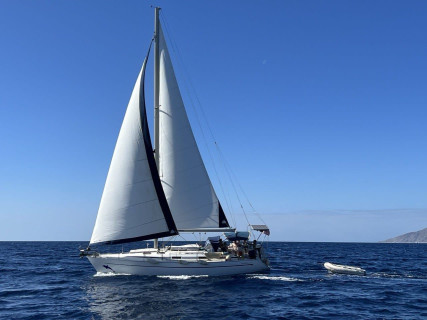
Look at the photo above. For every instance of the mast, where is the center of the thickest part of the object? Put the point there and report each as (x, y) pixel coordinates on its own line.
(156, 92)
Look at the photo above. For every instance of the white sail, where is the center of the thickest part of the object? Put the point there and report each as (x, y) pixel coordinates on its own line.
(185, 181)
(131, 206)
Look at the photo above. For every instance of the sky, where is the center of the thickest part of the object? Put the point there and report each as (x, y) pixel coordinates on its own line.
(317, 107)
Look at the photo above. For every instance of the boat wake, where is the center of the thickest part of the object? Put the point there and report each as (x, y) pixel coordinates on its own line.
(274, 278)
(110, 274)
(183, 277)
(395, 276)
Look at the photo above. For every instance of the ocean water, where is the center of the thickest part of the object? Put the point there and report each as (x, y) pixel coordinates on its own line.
(47, 280)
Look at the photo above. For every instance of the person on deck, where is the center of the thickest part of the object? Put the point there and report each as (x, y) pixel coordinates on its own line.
(253, 251)
(239, 249)
(223, 245)
(234, 247)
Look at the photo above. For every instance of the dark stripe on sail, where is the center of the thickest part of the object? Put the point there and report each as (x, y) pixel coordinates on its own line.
(223, 222)
(151, 161)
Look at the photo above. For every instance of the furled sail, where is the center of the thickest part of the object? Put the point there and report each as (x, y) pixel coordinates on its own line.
(133, 205)
(185, 181)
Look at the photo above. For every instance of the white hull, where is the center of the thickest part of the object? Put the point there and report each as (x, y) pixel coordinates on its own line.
(337, 268)
(157, 264)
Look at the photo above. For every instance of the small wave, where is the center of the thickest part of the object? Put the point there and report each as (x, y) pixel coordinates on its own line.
(58, 269)
(385, 275)
(274, 278)
(6, 269)
(182, 277)
(395, 276)
(110, 274)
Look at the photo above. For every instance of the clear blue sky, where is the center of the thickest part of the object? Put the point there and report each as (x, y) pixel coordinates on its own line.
(320, 108)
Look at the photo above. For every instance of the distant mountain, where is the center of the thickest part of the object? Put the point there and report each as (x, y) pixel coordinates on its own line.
(411, 237)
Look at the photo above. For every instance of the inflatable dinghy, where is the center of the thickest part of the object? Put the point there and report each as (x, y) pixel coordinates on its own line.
(337, 268)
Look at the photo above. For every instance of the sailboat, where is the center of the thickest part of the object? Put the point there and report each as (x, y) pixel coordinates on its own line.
(162, 192)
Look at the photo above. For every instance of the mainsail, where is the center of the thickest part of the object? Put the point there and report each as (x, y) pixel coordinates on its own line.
(185, 181)
(133, 205)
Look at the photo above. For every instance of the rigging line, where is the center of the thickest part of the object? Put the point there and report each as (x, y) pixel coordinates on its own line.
(234, 187)
(169, 240)
(242, 190)
(234, 177)
(182, 237)
(208, 126)
(175, 47)
(193, 105)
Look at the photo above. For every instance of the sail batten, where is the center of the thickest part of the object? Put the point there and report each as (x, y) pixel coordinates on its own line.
(188, 189)
(133, 205)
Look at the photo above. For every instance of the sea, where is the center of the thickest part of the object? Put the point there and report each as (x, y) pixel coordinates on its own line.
(48, 280)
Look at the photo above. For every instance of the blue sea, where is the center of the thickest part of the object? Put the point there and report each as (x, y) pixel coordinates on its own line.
(48, 280)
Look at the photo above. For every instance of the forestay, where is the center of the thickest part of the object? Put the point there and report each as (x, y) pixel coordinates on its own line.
(186, 183)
